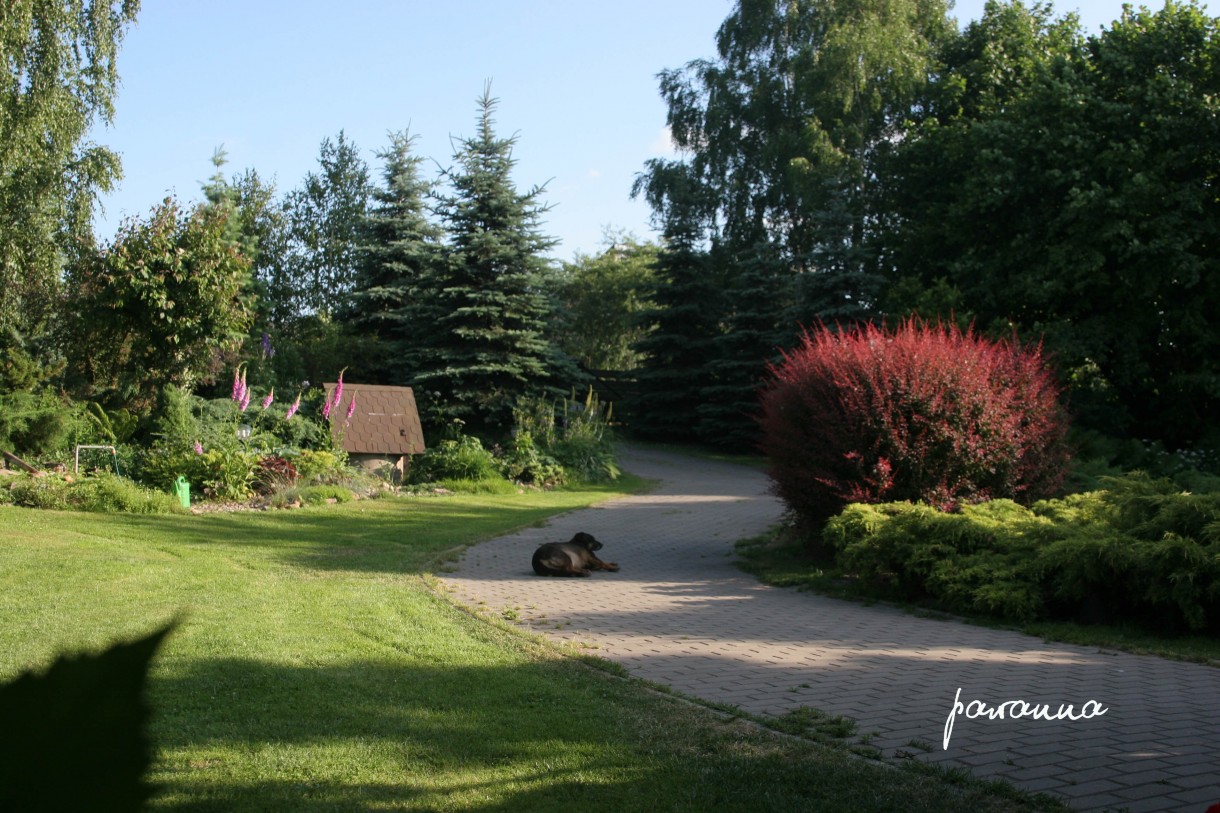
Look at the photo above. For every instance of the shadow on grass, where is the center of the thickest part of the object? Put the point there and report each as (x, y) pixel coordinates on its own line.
(393, 536)
(240, 735)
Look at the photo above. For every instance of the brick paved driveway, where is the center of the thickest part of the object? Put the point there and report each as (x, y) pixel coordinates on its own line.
(681, 614)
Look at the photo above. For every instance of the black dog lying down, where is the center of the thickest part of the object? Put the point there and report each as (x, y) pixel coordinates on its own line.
(574, 558)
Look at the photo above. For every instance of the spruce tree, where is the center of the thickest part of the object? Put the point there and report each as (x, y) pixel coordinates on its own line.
(758, 296)
(480, 344)
(685, 320)
(397, 261)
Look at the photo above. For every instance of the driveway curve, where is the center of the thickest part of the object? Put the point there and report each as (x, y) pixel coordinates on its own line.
(680, 613)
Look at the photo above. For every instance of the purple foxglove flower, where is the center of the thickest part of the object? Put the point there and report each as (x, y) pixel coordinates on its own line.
(351, 410)
(339, 387)
(292, 410)
(198, 447)
(268, 350)
(237, 384)
(334, 400)
(245, 400)
(270, 397)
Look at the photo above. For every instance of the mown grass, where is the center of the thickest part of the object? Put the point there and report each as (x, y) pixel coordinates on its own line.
(314, 668)
(778, 559)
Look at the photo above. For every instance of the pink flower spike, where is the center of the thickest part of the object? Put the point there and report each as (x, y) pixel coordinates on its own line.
(292, 410)
(237, 384)
(351, 410)
(270, 397)
(334, 400)
(198, 447)
(339, 387)
(245, 400)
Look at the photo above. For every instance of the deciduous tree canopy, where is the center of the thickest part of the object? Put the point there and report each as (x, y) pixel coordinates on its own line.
(58, 80)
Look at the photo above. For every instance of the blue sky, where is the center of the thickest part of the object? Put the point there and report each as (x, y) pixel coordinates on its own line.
(269, 79)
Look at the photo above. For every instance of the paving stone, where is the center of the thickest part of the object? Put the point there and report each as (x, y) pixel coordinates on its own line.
(1148, 805)
(680, 613)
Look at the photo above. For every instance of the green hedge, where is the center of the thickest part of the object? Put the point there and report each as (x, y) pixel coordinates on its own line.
(1142, 549)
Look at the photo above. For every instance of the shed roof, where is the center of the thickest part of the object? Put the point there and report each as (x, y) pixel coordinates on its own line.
(386, 420)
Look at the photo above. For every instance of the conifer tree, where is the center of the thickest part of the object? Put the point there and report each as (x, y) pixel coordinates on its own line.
(686, 318)
(777, 138)
(759, 295)
(479, 343)
(398, 260)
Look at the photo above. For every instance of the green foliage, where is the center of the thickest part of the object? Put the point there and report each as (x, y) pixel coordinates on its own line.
(24, 366)
(485, 487)
(111, 494)
(1091, 162)
(159, 306)
(58, 84)
(815, 725)
(84, 717)
(968, 561)
(103, 492)
(199, 439)
(399, 253)
(681, 326)
(163, 462)
(318, 464)
(766, 212)
(781, 128)
(228, 473)
(325, 220)
(460, 458)
(601, 300)
(1142, 550)
(320, 494)
(522, 461)
(574, 432)
(37, 423)
(478, 340)
(39, 492)
(115, 426)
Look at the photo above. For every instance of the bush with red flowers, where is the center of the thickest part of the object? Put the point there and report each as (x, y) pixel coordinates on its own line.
(922, 412)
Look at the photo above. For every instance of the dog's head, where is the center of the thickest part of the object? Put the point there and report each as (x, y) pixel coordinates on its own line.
(587, 541)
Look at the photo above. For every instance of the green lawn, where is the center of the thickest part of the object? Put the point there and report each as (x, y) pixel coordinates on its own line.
(315, 669)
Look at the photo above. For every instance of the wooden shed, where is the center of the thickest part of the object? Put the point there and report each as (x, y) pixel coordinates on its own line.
(383, 430)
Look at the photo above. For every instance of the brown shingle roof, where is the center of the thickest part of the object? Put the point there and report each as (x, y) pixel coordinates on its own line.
(386, 420)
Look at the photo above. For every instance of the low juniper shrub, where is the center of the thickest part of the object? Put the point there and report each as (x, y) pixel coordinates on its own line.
(1141, 550)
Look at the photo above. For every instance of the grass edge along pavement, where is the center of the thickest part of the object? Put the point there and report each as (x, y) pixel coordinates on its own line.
(315, 669)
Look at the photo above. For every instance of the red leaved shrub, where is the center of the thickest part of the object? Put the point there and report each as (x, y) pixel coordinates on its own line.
(273, 473)
(921, 413)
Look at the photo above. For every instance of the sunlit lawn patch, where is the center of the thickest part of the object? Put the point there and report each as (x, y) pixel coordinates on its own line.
(314, 668)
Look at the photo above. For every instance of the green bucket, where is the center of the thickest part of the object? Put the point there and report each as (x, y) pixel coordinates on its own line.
(182, 489)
